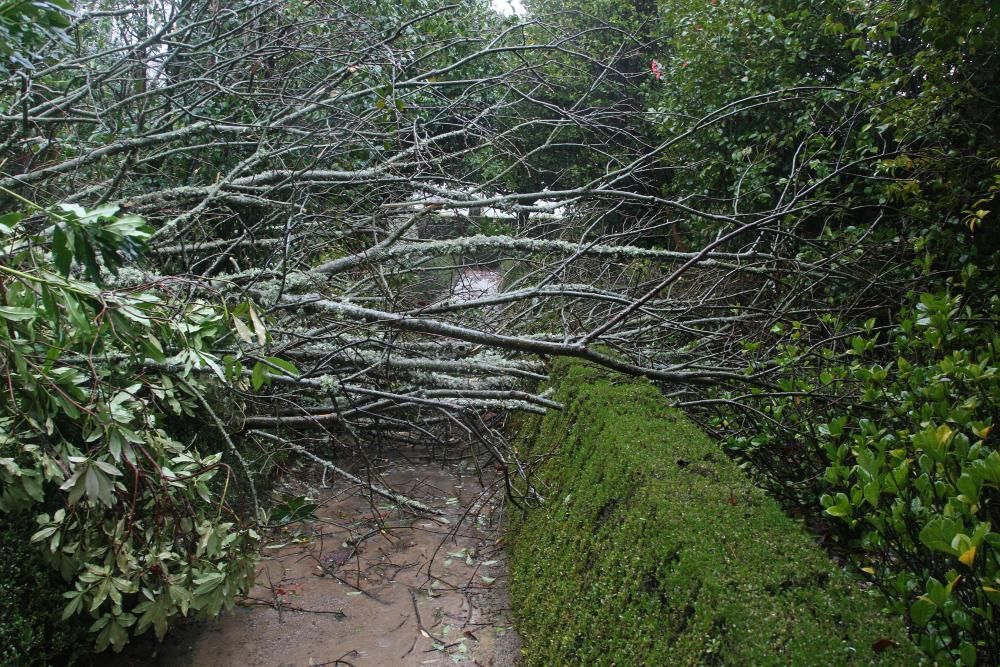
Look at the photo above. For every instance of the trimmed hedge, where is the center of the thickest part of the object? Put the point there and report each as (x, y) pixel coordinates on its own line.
(653, 548)
(32, 631)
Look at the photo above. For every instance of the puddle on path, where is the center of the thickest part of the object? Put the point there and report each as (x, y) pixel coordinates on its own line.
(476, 282)
(340, 591)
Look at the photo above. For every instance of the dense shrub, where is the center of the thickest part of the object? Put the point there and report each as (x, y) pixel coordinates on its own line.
(143, 527)
(915, 471)
(31, 602)
(891, 428)
(652, 548)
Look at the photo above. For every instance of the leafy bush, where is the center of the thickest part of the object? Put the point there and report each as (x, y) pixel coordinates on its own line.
(26, 26)
(140, 523)
(31, 630)
(891, 428)
(914, 469)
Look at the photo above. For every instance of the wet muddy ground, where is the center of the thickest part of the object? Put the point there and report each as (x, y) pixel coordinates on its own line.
(368, 585)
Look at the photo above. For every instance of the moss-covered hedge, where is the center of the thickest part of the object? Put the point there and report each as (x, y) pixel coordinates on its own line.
(654, 549)
(32, 631)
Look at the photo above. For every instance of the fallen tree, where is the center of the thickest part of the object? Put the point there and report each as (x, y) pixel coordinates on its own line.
(286, 159)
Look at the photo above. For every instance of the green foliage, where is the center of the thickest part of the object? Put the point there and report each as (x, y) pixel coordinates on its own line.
(26, 26)
(915, 471)
(891, 427)
(653, 548)
(138, 522)
(716, 54)
(79, 235)
(31, 630)
(885, 416)
(292, 509)
(492, 228)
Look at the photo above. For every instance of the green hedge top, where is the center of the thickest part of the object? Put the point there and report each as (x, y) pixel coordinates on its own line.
(653, 548)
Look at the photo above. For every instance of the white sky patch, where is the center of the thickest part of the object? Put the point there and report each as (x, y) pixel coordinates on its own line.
(509, 7)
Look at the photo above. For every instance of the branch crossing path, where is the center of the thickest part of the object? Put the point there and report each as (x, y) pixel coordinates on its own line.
(366, 583)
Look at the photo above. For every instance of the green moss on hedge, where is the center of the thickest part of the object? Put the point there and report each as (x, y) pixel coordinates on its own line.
(654, 549)
(32, 631)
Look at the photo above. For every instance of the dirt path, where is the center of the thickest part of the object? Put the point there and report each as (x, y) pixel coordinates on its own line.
(367, 585)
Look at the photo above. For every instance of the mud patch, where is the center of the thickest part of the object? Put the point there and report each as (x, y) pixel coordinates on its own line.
(369, 585)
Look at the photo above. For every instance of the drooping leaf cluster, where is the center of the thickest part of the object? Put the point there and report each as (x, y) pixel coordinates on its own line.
(30, 27)
(138, 522)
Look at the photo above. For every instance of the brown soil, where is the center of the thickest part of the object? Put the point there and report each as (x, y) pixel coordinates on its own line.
(367, 584)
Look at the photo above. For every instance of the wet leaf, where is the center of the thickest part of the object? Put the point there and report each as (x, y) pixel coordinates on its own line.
(884, 644)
